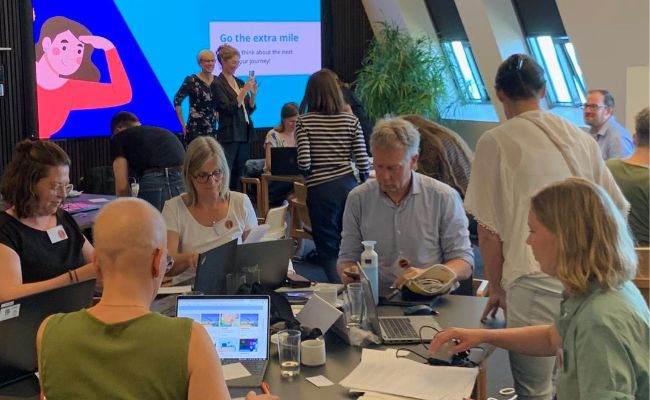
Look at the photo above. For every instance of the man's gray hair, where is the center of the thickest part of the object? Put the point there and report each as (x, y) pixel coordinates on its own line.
(392, 132)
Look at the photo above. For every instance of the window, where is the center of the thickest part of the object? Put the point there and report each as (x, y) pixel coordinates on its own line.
(457, 50)
(466, 74)
(550, 46)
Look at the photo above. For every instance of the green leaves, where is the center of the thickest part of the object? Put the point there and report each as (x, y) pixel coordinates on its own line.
(402, 75)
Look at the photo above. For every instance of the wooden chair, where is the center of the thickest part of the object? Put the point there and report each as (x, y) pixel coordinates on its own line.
(642, 279)
(246, 184)
(276, 219)
(300, 221)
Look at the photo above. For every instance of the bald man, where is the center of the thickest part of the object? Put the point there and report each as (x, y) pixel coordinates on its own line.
(119, 346)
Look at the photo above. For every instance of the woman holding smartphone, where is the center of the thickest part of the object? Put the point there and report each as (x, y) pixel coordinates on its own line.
(235, 101)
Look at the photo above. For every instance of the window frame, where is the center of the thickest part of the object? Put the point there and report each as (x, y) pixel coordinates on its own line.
(462, 85)
(571, 73)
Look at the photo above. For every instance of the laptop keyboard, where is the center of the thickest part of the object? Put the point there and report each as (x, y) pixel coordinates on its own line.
(398, 328)
(255, 367)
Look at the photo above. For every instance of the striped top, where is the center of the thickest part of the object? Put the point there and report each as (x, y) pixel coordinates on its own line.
(327, 144)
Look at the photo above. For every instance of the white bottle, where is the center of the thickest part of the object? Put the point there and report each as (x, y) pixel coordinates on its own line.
(370, 265)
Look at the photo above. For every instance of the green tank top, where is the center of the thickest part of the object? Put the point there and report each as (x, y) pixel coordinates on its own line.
(143, 358)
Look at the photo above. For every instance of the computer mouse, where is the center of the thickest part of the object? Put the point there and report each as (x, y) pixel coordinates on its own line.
(420, 309)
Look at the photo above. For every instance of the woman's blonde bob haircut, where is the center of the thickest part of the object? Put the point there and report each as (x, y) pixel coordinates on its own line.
(594, 244)
(198, 152)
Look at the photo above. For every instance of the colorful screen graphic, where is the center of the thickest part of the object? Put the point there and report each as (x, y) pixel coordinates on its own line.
(96, 58)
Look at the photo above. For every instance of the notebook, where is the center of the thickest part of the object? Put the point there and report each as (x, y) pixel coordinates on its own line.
(76, 207)
(19, 322)
(213, 266)
(284, 161)
(238, 327)
(397, 330)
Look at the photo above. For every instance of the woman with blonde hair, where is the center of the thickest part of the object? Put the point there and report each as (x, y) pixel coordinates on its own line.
(200, 88)
(235, 103)
(209, 214)
(602, 331)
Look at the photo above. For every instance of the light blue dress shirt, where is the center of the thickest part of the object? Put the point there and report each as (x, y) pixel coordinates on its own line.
(428, 227)
(614, 140)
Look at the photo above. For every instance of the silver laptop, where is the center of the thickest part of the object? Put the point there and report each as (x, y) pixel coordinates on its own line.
(397, 330)
(238, 327)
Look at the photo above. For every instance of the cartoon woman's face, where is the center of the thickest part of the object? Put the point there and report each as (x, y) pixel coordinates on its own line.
(64, 54)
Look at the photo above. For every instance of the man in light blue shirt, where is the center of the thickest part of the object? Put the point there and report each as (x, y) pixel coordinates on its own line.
(412, 217)
(614, 140)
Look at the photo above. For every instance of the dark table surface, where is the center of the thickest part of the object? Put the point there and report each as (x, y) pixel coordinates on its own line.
(463, 311)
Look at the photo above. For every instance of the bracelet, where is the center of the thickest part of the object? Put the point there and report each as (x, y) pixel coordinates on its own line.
(70, 276)
(76, 277)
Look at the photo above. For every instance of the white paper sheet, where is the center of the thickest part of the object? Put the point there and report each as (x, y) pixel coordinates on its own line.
(320, 381)
(234, 371)
(318, 313)
(376, 373)
(257, 233)
(98, 200)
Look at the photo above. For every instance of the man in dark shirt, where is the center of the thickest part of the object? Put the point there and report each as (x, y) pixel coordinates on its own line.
(153, 155)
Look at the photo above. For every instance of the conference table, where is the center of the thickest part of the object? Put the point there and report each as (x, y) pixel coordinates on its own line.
(462, 311)
(86, 219)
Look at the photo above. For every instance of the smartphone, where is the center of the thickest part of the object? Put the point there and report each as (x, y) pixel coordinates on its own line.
(352, 274)
(251, 73)
(297, 298)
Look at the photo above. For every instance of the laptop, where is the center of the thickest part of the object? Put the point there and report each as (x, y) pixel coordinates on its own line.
(19, 322)
(284, 161)
(397, 330)
(238, 327)
(272, 258)
(76, 207)
(213, 265)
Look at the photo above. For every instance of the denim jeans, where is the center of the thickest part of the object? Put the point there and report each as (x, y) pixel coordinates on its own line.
(158, 187)
(326, 203)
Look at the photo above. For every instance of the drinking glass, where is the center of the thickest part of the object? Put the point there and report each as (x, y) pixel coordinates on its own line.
(355, 306)
(289, 352)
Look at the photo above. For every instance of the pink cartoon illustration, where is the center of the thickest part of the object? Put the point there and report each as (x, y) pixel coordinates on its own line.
(66, 77)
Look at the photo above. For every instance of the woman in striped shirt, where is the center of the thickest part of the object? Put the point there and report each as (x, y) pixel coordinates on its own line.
(328, 139)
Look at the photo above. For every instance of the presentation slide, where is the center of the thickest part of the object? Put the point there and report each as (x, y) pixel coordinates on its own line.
(94, 59)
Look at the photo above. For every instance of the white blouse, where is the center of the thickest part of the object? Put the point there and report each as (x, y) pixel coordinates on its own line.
(194, 237)
(512, 163)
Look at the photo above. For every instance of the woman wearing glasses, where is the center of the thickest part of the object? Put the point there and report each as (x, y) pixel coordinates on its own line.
(209, 214)
(41, 246)
(200, 88)
(235, 103)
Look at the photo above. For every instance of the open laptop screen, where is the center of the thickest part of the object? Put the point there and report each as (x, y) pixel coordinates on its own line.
(237, 325)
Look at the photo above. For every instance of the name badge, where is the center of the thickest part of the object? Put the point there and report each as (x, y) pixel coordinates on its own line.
(57, 234)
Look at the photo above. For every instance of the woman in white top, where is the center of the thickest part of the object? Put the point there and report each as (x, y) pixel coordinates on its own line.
(209, 214)
(532, 149)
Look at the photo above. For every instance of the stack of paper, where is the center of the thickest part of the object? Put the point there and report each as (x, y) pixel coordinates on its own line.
(377, 373)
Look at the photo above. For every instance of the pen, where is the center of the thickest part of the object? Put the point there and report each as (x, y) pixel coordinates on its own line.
(265, 388)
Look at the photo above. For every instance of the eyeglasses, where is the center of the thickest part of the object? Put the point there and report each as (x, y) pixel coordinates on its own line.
(207, 61)
(65, 189)
(590, 106)
(203, 177)
(170, 263)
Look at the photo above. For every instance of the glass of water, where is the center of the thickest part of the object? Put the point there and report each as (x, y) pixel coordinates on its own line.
(355, 304)
(289, 352)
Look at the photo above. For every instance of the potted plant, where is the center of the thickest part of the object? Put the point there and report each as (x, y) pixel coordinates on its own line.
(402, 75)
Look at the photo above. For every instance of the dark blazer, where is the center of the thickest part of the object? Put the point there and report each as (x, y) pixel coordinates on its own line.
(232, 123)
